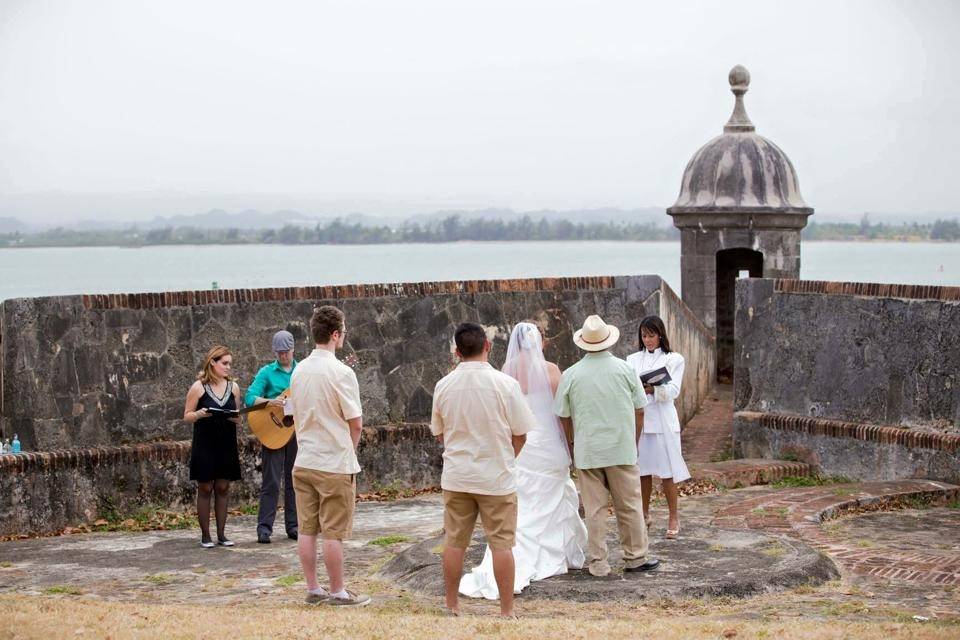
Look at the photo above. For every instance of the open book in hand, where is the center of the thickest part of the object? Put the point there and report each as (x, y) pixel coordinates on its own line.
(217, 411)
(656, 377)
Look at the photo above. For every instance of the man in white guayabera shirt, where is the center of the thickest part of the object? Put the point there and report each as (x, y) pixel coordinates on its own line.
(326, 408)
(481, 418)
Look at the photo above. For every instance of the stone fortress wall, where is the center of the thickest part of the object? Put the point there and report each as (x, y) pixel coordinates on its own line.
(95, 384)
(861, 380)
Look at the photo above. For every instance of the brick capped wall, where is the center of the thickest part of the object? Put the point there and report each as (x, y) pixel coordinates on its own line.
(94, 370)
(854, 450)
(860, 379)
(44, 492)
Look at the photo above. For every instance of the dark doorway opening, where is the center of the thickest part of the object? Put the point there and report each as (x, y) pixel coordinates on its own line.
(731, 264)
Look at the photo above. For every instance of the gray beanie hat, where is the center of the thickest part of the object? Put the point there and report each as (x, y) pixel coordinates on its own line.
(283, 341)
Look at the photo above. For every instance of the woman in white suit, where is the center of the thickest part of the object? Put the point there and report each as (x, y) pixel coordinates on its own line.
(658, 452)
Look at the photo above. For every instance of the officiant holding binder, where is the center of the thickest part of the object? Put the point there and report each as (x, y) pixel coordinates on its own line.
(212, 408)
(658, 451)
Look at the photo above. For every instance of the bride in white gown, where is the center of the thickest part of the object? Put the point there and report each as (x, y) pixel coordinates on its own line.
(550, 534)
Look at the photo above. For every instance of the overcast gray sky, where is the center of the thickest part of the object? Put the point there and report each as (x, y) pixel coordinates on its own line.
(130, 109)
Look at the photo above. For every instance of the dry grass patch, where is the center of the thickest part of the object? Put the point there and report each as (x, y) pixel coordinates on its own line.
(404, 618)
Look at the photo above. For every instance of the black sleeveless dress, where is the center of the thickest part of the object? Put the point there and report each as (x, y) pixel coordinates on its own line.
(214, 454)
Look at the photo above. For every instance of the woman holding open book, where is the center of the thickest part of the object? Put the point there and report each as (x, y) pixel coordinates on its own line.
(211, 407)
(659, 448)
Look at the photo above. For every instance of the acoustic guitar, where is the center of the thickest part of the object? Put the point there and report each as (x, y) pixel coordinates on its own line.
(269, 424)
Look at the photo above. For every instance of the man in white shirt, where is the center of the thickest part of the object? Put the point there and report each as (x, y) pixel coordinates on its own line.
(481, 418)
(327, 413)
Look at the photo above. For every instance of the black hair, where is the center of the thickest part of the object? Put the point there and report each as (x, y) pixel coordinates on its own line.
(654, 324)
(469, 338)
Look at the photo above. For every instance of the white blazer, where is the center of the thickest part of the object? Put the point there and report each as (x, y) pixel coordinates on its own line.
(660, 416)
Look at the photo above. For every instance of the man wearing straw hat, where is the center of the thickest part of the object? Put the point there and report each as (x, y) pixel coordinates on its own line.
(600, 404)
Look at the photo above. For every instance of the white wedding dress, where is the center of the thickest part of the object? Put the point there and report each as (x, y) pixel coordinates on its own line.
(551, 537)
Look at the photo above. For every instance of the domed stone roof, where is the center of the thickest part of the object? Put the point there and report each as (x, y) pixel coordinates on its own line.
(740, 170)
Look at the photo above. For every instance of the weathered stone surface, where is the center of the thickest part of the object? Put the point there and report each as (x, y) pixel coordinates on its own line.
(690, 337)
(915, 545)
(739, 209)
(740, 170)
(707, 562)
(869, 359)
(85, 371)
(170, 566)
(914, 548)
(810, 358)
(852, 450)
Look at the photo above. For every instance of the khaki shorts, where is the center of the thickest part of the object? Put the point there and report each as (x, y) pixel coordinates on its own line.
(325, 502)
(497, 513)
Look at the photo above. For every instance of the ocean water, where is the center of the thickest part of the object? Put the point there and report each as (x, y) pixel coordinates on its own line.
(64, 271)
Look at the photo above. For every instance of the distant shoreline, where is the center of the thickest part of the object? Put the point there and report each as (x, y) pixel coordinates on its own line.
(438, 242)
(450, 229)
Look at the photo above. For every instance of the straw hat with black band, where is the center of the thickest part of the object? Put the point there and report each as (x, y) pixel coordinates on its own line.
(596, 335)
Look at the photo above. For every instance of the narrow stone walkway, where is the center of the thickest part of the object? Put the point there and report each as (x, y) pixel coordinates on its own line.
(708, 436)
(707, 442)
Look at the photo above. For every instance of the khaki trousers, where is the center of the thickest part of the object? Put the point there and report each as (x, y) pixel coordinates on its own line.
(623, 484)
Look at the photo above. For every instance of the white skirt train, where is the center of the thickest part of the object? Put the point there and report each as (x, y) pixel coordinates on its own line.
(551, 536)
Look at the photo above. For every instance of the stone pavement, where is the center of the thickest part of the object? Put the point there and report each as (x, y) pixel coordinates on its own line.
(734, 543)
(808, 514)
(170, 566)
(705, 562)
(892, 543)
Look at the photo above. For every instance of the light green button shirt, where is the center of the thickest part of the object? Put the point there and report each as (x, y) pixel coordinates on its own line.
(601, 394)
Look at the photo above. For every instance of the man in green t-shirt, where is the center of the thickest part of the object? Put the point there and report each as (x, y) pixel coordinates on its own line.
(600, 404)
(276, 464)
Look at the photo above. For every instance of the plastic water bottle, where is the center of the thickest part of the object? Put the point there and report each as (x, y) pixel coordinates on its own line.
(16, 444)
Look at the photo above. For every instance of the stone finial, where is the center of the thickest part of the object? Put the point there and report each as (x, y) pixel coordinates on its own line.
(739, 121)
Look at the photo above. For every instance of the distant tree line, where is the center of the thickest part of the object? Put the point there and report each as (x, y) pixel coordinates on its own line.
(450, 229)
(948, 230)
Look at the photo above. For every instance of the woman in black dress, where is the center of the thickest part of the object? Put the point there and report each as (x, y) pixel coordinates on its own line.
(214, 460)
